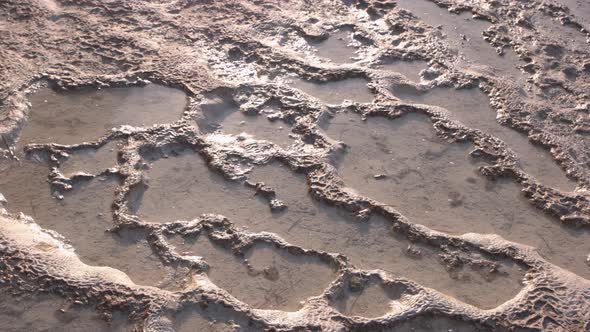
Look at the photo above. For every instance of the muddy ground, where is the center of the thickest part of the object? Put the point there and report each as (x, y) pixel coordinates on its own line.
(365, 165)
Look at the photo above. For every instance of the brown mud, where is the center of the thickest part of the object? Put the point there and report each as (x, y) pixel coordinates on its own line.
(435, 183)
(240, 165)
(410, 69)
(264, 277)
(336, 92)
(337, 47)
(83, 215)
(86, 115)
(471, 107)
(44, 312)
(91, 160)
(464, 33)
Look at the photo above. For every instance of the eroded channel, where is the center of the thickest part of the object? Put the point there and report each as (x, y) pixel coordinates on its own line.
(181, 187)
(403, 163)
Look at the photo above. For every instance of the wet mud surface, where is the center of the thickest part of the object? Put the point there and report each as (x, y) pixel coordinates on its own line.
(471, 107)
(337, 92)
(83, 215)
(337, 48)
(44, 312)
(410, 69)
(436, 183)
(91, 113)
(278, 166)
(91, 160)
(264, 277)
(463, 33)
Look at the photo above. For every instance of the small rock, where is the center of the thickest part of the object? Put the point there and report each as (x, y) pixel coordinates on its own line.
(379, 176)
(274, 116)
(413, 251)
(277, 205)
(263, 190)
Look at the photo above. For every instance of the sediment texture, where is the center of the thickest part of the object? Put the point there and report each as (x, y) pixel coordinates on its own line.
(244, 51)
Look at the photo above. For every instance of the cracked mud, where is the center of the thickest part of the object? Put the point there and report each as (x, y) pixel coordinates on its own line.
(358, 165)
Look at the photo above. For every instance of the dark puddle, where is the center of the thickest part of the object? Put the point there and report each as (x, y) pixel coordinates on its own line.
(182, 187)
(82, 217)
(335, 92)
(472, 108)
(43, 312)
(74, 117)
(90, 160)
(410, 69)
(464, 34)
(370, 301)
(436, 184)
(337, 47)
(274, 279)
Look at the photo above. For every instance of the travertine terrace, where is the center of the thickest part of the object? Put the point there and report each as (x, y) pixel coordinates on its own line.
(291, 165)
